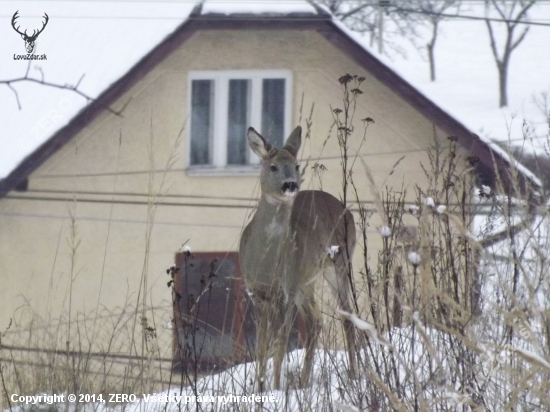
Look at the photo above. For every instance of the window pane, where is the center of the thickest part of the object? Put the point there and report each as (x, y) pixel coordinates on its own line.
(202, 121)
(237, 149)
(273, 110)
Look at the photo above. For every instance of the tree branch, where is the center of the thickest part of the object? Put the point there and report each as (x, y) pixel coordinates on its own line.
(503, 15)
(519, 40)
(493, 42)
(16, 95)
(344, 16)
(42, 82)
(79, 80)
(524, 11)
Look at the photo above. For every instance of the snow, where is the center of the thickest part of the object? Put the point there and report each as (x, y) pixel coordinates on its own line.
(414, 258)
(416, 349)
(533, 357)
(257, 7)
(466, 86)
(385, 231)
(77, 33)
(239, 382)
(74, 42)
(367, 327)
(333, 250)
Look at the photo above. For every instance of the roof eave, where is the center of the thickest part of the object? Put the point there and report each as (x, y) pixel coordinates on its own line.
(104, 101)
(491, 163)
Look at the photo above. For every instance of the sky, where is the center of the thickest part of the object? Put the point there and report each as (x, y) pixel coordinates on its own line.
(96, 42)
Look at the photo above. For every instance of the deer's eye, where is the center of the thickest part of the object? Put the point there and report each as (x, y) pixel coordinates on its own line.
(297, 168)
(273, 168)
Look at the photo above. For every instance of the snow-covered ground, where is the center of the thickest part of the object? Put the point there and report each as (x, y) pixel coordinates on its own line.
(102, 40)
(426, 362)
(467, 79)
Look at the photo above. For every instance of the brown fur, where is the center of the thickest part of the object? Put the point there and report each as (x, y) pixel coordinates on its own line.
(285, 248)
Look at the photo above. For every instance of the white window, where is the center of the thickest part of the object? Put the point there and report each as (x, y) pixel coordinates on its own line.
(223, 104)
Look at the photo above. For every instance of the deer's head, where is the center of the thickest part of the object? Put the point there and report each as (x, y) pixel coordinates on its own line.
(29, 40)
(280, 175)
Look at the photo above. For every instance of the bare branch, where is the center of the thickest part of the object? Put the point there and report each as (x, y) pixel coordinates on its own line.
(16, 95)
(493, 42)
(351, 12)
(506, 233)
(79, 80)
(41, 81)
(499, 10)
(41, 72)
(28, 68)
(519, 39)
(512, 13)
(523, 12)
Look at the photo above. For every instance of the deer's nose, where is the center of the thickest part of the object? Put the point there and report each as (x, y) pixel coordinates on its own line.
(290, 188)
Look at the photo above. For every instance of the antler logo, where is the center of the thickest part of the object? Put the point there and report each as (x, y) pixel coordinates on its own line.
(29, 40)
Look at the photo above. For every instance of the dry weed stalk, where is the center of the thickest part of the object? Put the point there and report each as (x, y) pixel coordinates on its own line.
(452, 311)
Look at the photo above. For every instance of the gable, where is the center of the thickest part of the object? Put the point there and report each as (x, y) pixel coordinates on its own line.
(120, 181)
(229, 27)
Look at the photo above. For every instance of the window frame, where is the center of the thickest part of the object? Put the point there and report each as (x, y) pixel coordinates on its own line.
(221, 80)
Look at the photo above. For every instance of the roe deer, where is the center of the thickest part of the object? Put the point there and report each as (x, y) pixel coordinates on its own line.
(293, 238)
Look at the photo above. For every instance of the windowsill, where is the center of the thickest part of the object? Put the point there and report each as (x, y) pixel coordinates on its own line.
(206, 171)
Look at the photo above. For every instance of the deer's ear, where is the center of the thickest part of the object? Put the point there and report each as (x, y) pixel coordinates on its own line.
(294, 141)
(258, 144)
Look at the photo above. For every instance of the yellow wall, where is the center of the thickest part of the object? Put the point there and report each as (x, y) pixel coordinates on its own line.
(35, 235)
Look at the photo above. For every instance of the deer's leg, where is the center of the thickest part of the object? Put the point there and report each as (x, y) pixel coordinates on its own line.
(286, 314)
(262, 344)
(309, 311)
(337, 278)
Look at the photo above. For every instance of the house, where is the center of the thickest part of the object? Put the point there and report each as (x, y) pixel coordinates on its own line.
(156, 172)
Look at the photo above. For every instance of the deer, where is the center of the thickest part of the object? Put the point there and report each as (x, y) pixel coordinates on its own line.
(29, 40)
(294, 238)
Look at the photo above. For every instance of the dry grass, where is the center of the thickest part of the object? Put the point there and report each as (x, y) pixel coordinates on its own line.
(452, 311)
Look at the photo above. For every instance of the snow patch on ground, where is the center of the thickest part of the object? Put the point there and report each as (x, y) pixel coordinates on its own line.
(419, 353)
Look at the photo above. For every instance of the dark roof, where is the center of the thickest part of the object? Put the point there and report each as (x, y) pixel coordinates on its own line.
(488, 163)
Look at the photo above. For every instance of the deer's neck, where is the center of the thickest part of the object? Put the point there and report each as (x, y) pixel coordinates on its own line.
(269, 240)
(273, 218)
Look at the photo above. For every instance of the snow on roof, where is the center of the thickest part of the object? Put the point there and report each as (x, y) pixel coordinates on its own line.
(436, 98)
(98, 42)
(278, 7)
(513, 162)
(466, 86)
